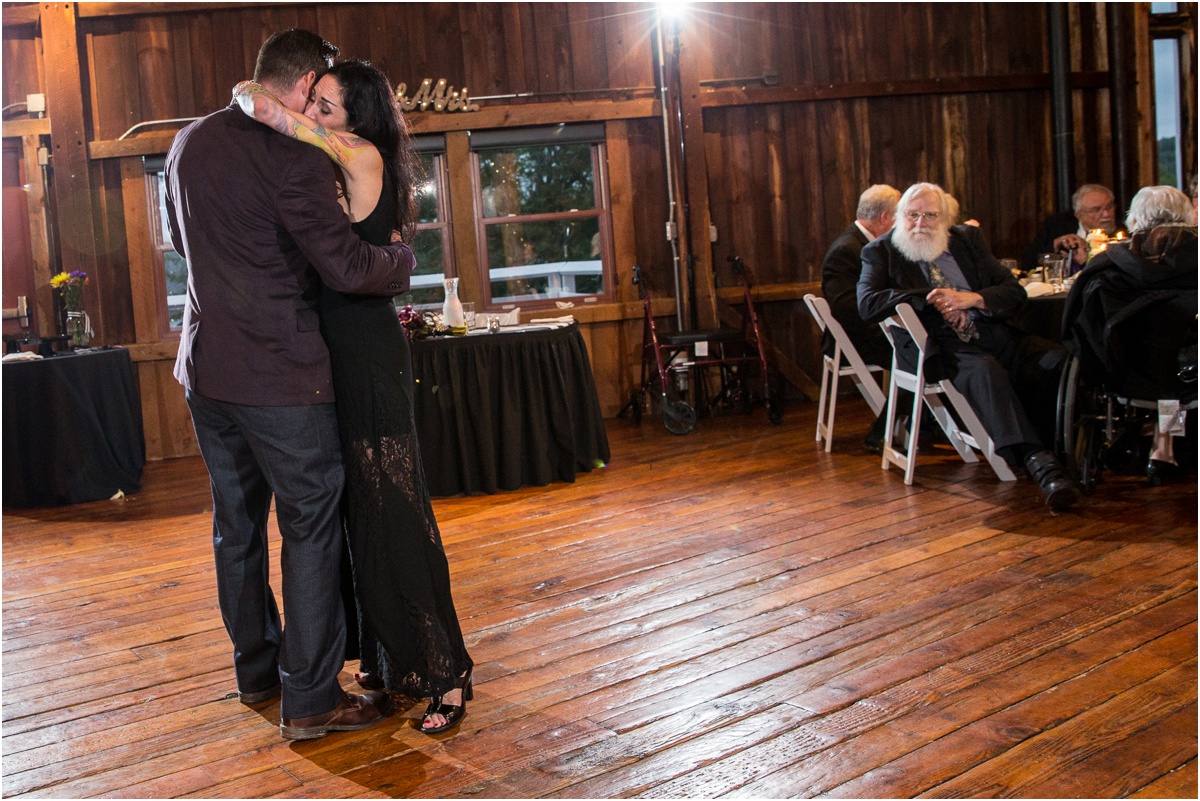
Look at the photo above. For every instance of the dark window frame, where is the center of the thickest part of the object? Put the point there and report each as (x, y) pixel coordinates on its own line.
(445, 220)
(602, 211)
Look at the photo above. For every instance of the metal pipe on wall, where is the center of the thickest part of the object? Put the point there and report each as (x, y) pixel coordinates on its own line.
(672, 206)
(1060, 104)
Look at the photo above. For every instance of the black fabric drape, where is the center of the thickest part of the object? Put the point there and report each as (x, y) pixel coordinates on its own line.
(501, 411)
(72, 429)
(1042, 316)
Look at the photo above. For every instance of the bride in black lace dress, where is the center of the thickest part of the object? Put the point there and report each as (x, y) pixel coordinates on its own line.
(409, 636)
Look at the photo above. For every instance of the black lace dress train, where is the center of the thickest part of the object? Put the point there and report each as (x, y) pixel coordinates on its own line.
(408, 631)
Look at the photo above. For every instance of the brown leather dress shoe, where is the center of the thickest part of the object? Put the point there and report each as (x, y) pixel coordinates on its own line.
(354, 712)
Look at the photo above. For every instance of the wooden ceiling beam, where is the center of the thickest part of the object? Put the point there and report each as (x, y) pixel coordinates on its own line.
(94, 10)
(748, 95)
(428, 123)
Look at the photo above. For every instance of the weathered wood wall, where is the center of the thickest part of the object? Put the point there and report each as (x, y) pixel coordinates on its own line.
(854, 94)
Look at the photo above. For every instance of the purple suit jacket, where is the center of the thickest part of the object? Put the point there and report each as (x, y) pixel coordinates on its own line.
(256, 216)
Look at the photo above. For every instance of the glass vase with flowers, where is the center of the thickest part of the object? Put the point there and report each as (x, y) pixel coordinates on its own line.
(70, 288)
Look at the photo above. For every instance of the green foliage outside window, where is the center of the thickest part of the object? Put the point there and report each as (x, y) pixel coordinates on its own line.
(558, 180)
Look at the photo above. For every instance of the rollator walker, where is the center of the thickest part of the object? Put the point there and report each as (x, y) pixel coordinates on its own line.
(678, 367)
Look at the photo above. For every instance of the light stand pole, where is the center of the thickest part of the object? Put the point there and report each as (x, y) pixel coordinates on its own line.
(672, 227)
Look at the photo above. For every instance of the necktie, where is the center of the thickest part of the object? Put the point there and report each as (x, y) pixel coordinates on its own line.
(938, 279)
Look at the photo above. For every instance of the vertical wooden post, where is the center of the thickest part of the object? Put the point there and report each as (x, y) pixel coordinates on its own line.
(695, 178)
(74, 199)
(1060, 101)
(462, 219)
(39, 236)
(1145, 144)
(1122, 89)
(677, 220)
(145, 273)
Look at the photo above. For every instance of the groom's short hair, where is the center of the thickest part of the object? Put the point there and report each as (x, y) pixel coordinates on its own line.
(289, 55)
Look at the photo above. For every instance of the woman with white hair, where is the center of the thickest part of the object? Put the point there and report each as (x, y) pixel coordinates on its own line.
(1159, 207)
(1160, 254)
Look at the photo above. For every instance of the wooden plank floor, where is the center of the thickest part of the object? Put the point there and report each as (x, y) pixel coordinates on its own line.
(733, 612)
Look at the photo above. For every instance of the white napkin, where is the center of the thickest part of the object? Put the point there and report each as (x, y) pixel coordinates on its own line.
(1035, 289)
(24, 356)
(568, 318)
(511, 318)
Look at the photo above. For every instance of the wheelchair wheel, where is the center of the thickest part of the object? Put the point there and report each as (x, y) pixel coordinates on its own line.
(678, 416)
(1079, 442)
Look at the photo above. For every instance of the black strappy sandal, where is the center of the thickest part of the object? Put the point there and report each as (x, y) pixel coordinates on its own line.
(452, 713)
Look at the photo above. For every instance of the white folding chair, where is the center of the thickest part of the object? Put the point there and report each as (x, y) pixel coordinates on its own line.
(975, 438)
(832, 370)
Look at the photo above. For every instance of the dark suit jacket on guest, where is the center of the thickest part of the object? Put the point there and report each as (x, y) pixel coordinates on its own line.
(889, 279)
(1053, 227)
(256, 216)
(839, 285)
(1010, 379)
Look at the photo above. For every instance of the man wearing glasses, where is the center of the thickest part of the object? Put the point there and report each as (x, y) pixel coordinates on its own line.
(963, 297)
(1093, 207)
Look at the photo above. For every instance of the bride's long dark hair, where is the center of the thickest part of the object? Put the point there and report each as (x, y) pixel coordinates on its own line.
(372, 113)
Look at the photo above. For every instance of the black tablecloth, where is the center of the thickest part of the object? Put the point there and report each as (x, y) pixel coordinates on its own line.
(501, 411)
(1042, 316)
(72, 429)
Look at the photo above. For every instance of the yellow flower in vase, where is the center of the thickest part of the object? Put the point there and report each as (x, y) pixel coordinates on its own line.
(70, 287)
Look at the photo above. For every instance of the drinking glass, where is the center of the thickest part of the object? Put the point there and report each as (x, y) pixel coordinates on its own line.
(1054, 268)
(469, 314)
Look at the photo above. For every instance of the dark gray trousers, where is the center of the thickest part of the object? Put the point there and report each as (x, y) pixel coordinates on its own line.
(293, 453)
(1010, 380)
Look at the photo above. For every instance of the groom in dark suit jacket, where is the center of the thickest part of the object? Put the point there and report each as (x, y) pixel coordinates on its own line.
(963, 297)
(257, 218)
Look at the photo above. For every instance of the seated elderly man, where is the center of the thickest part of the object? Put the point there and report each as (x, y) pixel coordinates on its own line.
(839, 284)
(1093, 207)
(963, 296)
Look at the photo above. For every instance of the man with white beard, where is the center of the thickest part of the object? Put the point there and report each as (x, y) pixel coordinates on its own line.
(963, 296)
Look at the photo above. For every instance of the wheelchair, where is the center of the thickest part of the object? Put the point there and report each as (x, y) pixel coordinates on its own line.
(1131, 340)
(677, 367)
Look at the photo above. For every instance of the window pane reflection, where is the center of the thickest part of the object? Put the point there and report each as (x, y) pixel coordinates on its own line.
(537, 180)
(552, 259)
(426, 285)
(1166, 108)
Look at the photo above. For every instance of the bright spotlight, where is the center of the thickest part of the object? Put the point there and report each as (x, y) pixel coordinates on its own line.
(672, 9)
